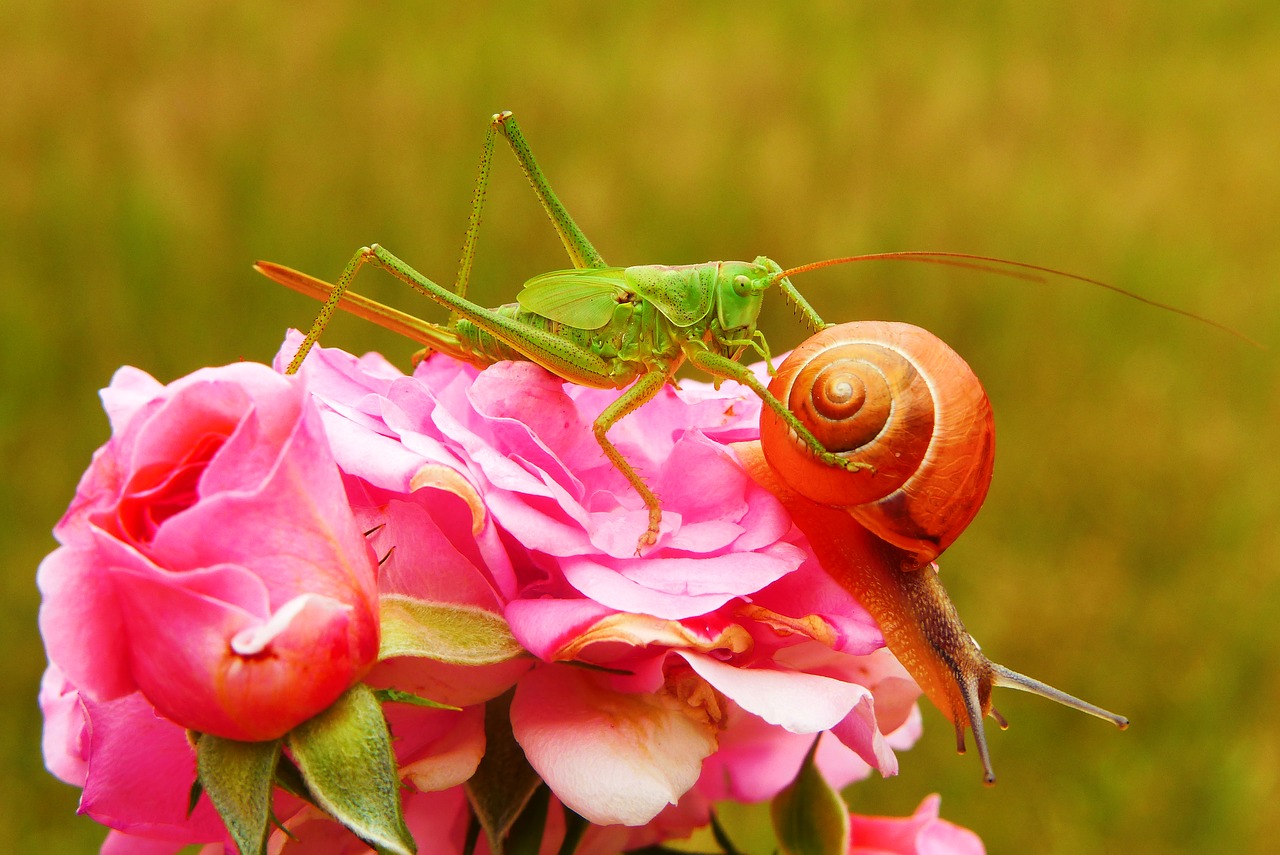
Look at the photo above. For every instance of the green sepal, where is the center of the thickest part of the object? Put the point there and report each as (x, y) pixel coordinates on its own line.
(504, 781)
(193, 796)
(525, 837)
(445, 632)
(238, 777)
(809, 817)
(289, 779)
(345, 757)
(575, 826)
(599, 669)
(397, 696)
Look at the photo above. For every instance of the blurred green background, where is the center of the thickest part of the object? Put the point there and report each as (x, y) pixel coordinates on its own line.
(150, 152)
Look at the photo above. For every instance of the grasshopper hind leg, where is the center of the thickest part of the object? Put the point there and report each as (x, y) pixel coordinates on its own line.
(435, 338)
(444, 340)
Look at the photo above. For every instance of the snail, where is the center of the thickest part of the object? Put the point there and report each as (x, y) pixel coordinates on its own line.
(896, 397)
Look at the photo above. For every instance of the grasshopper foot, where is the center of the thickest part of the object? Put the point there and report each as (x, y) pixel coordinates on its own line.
(650, 536)
(846, 464)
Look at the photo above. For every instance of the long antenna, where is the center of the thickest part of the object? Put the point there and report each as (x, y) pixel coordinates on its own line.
(1011, 269)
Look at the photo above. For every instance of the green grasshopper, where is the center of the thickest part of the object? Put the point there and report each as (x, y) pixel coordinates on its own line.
(625, 328)
(608, 327)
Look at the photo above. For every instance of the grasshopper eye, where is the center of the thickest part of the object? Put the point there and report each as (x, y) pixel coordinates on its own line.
(741, 285)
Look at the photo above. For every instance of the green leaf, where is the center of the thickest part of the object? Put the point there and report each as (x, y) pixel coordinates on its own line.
(237, 776)
(446, 632)
(809, 817)
(345, 758)
(504, 781)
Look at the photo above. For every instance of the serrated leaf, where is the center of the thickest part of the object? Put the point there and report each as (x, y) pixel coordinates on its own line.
(809, 817)
(237, 777)
(346, 760)
(504, 781)
(446, 632)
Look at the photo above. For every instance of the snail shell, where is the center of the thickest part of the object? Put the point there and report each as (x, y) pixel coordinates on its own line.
(897, 398)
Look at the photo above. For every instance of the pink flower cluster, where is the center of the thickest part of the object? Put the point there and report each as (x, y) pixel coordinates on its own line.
(228, 554)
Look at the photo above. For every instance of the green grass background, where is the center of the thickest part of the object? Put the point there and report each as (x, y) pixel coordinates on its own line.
(151, 151)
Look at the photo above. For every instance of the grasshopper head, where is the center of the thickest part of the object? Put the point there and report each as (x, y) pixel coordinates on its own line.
(740, 292)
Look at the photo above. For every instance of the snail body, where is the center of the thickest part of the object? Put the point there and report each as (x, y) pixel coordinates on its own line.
(897, 398)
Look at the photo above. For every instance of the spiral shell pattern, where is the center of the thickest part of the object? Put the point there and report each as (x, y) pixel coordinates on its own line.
(896, 397)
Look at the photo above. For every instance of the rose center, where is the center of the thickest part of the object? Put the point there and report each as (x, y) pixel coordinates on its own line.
(159, 491)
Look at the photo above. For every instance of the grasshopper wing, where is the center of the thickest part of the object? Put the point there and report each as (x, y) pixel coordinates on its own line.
(578, 298)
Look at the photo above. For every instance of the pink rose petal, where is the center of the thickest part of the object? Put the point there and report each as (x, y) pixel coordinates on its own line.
(611, 758)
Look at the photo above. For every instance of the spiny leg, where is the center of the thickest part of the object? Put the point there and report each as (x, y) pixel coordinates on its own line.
(580, 249)
(757, 342)
(436, 338)
(557, 354)
(800, 305)
(473, 222)
(362, 255)
(632, 399)
(441, 338)
(364, 307)
(720, 366)
(327, 310)
(401, 323)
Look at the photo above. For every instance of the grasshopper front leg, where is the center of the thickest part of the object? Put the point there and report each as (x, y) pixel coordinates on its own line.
(721, 366)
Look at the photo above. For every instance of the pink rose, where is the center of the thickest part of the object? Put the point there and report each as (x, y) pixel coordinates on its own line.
(726, 646)
(215, 574)
(135, 767)
(922, 833)
(210, 559)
